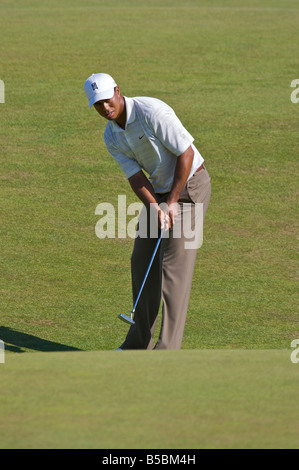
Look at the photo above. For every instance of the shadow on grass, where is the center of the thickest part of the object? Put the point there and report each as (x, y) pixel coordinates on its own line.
(16, 340)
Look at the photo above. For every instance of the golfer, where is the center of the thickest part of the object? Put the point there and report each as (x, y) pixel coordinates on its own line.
(157, 155)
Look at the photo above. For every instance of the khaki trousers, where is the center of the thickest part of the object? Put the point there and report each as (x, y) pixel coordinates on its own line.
(170, 277)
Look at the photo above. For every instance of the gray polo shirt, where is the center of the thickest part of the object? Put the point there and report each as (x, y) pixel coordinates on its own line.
(152, 140)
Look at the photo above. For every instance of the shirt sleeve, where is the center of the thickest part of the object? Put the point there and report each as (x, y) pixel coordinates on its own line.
(170, 131)
(127, 164)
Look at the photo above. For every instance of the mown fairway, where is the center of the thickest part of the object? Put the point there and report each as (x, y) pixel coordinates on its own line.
(150, 400)
(226, 67)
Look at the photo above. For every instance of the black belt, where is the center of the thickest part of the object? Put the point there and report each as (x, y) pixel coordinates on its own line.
(202, 167)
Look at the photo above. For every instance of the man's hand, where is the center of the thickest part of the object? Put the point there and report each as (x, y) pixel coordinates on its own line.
(182, 171)
(172, 212)
(146, 193)
(167, 214)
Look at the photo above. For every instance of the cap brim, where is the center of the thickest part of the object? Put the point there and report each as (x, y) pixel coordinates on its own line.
(104, 95)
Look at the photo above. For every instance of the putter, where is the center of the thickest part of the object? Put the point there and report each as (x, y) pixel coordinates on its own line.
(129, 319)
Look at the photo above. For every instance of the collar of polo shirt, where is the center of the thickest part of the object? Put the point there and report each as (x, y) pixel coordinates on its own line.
(130, 111)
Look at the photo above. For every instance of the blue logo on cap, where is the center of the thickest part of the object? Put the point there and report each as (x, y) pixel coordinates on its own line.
(94, 86)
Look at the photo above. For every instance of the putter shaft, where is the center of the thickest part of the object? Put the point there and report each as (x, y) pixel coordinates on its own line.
(130, 320)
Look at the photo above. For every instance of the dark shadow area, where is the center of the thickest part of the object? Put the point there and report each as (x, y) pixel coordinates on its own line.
(16, 340)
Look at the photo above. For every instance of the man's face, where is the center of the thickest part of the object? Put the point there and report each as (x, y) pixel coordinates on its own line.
(111, 109)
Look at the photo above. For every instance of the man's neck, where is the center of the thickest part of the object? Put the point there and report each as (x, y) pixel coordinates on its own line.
(122, 119)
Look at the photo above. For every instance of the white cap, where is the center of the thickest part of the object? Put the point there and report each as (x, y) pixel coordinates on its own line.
(99, 86)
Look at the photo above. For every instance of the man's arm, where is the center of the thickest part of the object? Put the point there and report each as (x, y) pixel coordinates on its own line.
(143, 188)
(146, 193)
(182, 171)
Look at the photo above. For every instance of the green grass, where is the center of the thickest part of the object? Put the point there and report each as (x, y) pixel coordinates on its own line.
(150, 400)
(226, 67)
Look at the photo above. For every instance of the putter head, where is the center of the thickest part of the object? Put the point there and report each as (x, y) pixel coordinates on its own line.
(126, 319)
